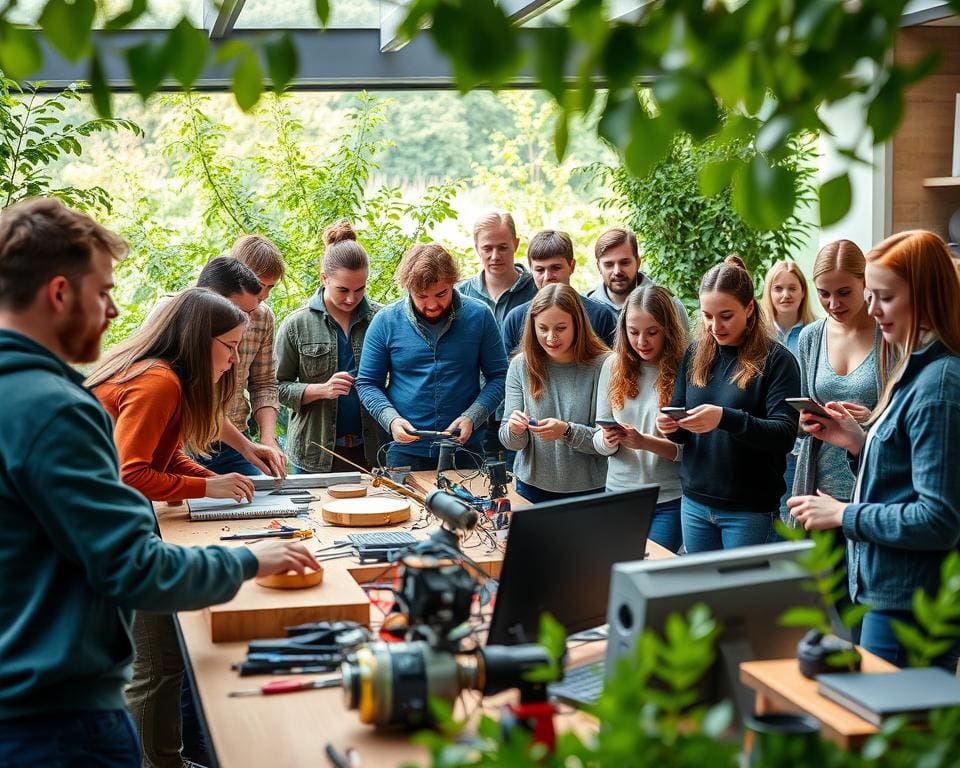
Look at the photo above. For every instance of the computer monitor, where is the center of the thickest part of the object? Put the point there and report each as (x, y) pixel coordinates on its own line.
(558, 560)
(746, 590)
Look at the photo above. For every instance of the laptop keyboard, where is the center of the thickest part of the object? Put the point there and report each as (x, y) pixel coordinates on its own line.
(580, 685)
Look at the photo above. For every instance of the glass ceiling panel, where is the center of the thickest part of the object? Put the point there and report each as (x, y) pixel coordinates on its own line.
(162, 15)
(301, 14)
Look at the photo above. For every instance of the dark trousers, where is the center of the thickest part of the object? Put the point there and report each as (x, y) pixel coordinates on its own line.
(224, 459)
(105, 738)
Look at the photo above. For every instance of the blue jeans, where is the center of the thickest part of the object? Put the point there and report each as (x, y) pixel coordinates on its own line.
(665, 528)
(536, 495)
(709, 528)
(104, 738)
(878, 637)
(224, 459)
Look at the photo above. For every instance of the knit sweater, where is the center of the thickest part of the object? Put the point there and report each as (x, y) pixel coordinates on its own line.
(739, 466)
(629, 468)
(571, 463)
(146, 411)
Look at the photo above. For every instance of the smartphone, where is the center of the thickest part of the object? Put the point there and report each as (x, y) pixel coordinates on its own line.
(808, 404)
(674, 412)
(429, 434)
(608, 424)
(533, 423)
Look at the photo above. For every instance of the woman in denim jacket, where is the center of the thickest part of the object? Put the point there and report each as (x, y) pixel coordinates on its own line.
(904, 516)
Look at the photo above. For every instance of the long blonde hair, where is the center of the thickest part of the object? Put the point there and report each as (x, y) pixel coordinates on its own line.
(732, 278)
(586, 348)
(181, 335)
(625, 372)
(923, 261)
(804, 314)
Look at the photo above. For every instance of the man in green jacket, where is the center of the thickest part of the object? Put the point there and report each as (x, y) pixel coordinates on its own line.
(78, 549)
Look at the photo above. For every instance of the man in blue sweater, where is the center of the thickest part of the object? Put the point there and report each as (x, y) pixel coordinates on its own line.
(422, 360)
(550, 254)
(78, 549)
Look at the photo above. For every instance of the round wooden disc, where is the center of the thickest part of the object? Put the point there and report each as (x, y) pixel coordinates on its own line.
(347, 491)
(291, 579)
(373, 510)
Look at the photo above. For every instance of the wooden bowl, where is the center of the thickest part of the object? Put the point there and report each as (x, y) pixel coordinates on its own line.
(347, 491)
(291, 579)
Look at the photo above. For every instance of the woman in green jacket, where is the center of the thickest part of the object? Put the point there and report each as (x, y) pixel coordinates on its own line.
(318, 353)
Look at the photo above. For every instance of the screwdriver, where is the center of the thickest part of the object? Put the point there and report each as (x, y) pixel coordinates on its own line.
(288, 686)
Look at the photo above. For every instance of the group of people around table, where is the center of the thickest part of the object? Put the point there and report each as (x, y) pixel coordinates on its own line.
(571, 388)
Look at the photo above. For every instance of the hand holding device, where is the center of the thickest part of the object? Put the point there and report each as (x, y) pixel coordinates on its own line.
(518, 422)
(460, 429)
(703, 418)
(337, 385)
(403, 431)
(607, 424)
(430, 434)
(808, 404)
(674, 412)
(549, 429)
(840, 428)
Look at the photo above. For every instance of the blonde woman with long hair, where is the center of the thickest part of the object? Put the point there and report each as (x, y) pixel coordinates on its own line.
(786, 302)
(904, 516)
(737, 430)
(635, 382)
(551, 399)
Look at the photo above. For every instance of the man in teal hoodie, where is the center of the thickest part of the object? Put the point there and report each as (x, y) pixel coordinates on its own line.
(78, 549)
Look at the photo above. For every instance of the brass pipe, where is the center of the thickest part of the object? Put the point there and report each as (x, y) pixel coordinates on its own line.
(378, 480)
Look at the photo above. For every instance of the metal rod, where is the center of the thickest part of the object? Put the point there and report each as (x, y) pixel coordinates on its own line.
(377, 480)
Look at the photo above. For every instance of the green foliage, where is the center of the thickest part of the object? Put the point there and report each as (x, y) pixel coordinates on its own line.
(277, 191)
(938, 618)
(686, 214)
(34, 134)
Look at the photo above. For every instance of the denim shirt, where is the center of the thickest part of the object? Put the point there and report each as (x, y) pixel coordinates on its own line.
(306, 351)
(432, 379)
(907, 515)
(522, 291)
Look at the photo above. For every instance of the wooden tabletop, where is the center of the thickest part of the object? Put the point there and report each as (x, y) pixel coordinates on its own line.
(293, 729)
(780, 687)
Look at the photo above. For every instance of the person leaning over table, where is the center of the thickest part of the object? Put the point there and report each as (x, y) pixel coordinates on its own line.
(551, 400)
(423, 357)
(190, 346)
(318, 354)
(904, 516)
(79, 551)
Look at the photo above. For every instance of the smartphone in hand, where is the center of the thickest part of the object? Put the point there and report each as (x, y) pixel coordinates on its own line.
(609, 424)
(674, 412)
(808, 404)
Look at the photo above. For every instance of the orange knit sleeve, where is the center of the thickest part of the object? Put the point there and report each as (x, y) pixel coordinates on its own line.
(148, 440)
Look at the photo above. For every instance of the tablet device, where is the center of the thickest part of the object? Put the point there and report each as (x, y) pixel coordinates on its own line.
(808, 404)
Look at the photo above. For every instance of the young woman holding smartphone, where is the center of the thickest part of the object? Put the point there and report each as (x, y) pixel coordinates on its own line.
(904, 514)
(737, 430)
(551, 399)
(635, 381)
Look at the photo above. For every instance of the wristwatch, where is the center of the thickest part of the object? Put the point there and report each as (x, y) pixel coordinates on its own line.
(566, 432)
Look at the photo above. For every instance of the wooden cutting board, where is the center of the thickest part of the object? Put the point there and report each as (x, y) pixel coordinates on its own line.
(365, 512)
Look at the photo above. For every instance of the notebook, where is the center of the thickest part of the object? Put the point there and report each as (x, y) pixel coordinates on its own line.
(877, 696)
(263, 505)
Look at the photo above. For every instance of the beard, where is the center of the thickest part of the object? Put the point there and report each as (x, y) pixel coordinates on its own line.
(78, 338)
(622, 288)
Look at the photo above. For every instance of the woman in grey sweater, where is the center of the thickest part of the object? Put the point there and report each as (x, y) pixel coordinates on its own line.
(551, 400)
(635, 382)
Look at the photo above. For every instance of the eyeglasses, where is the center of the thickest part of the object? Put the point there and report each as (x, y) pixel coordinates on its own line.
(234, 348)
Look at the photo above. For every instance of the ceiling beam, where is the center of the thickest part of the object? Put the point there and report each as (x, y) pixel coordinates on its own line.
(219, 21)
(521, 11)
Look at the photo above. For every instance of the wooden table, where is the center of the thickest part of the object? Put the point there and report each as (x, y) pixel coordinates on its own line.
(780, 687)
(293, 729)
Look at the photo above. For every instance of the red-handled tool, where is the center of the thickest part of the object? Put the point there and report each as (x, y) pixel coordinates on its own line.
(288, 686)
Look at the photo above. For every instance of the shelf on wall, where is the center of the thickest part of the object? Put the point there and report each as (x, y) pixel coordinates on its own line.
(942, 181)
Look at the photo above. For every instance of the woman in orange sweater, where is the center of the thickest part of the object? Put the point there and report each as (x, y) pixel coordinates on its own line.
(190, 346)
(166, 388)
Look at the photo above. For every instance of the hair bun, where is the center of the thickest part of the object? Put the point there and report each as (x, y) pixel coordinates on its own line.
(735, 261)
(339, 232)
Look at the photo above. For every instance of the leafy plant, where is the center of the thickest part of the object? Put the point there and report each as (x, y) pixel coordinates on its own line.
(685, 214)
(775, 63)
(35, 134)
(276, 191)
(828, 580)
(938, 618)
